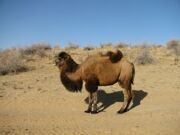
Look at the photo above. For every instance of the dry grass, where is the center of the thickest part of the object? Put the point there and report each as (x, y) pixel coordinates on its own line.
(72, 46)
(36, 49)
(88, 48)
(144, 57)
(174, 45)
(11, 62)
(121, 45)
(106, 45)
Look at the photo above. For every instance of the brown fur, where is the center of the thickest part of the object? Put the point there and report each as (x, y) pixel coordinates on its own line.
(114, 57)
(98, 70)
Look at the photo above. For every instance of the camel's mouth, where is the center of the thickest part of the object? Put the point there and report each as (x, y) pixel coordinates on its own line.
(58, 62)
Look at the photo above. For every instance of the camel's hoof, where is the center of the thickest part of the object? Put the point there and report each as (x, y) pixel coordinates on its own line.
(121, 111)
(94, 112)
(87, 111)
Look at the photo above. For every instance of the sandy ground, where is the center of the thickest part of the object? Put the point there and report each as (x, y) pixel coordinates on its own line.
(36, 103)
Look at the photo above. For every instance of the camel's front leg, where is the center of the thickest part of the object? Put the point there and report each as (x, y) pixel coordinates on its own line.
(94, 105)
(92, 89)
(90, 103)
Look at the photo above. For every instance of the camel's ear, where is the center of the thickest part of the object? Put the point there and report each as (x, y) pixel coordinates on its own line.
(63, 55)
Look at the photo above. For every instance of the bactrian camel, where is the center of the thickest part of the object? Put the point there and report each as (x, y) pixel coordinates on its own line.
(97, 70)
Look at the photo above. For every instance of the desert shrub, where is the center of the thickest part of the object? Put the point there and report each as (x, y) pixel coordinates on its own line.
(144, 45)
(144, 57)
(88, 48)
(58, 46)
(11, 62)
(121, 45)
(104, 45)
(158, 46)
(36, 49)
(175, 46)
(71, 46)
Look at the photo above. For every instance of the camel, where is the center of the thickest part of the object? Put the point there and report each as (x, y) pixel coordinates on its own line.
(97, 70)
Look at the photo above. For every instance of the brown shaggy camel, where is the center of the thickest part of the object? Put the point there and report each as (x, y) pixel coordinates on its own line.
(97, 70)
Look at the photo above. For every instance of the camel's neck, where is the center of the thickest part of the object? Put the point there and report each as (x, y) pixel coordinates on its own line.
(70, 66)
(71, 76)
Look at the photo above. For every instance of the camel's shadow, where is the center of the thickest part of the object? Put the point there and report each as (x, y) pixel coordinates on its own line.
(108, 99)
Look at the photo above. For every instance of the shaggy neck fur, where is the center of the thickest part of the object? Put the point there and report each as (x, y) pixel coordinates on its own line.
(70, 76)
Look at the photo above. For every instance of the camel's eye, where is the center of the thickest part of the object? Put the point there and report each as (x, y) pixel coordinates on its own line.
(59, 61)
(60, 58)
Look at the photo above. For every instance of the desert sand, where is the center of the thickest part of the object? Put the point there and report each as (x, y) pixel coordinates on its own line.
(36, 103)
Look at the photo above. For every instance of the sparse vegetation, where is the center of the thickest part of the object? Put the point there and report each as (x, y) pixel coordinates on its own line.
(72, 46)
(88, 48)
(174, 45)
(58, 46)
(11, 62)
(106, 45)
(36, 49)
(144, 57)
(121, 45)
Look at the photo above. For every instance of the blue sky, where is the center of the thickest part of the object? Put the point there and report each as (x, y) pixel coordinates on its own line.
(23, 22)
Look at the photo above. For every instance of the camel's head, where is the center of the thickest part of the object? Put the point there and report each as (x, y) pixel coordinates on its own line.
(66, 64)
(61, 59)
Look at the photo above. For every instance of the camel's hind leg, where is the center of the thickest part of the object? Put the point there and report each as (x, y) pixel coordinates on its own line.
(128, 95)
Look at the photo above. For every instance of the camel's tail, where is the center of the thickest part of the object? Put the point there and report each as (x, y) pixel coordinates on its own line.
(133, 74)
